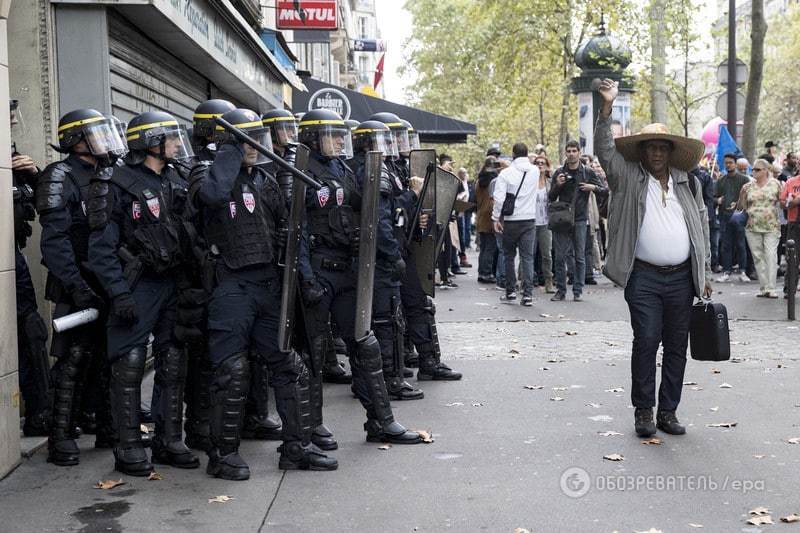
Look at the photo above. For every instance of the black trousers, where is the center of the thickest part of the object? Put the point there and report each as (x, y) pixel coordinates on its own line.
(660, 308)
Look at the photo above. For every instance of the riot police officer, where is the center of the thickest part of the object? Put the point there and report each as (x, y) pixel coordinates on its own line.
(135, 251)
(92, 144)
(332, 221)
(31, 329)
(244, 211)
(387, 318)
(418, 308)
(203, 127)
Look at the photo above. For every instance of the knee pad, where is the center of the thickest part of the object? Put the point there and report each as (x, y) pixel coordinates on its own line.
(172, 365)
(291, 370)
(129, 368)
(368, 354)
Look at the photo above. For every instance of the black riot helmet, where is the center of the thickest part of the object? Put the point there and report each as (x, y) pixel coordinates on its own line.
(158, 134)
(121, 128)
(325, 132)
(203, 119)
(282, 126)
(99, 132)
(249, 122)
(352, 124)
(413, 136)
(399, 130)
(372, 135)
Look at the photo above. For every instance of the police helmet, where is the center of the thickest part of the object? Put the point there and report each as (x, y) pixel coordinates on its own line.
(203, 119)
(325, 132)
(121, 128)
(413, 135)
(282, 126)
(250, 123)
(352, 124)
(399, 130)
(159, 130)
(372, 135)
(99, 132)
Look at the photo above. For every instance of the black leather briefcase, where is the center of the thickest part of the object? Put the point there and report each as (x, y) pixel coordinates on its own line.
(708, 332)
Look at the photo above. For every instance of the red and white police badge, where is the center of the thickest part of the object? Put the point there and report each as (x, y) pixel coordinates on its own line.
(232, 207)
(339, 196)
(154, 206)
(136, 210)
(249, 201)
(323, 195)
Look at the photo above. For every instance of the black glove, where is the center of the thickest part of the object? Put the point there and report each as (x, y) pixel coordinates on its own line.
(398, 269)
(84, 297)
(124, 308)
(312, 292)
(355, 242)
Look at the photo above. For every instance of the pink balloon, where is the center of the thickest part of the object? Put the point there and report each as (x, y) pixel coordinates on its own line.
(710, 135)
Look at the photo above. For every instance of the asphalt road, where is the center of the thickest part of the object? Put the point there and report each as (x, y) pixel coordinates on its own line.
(519, 443)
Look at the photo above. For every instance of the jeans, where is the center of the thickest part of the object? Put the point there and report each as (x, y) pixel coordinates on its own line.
(660, 307)
(463, 243)
(732, 244)
(544, 243)
(713, 236)
(486, 255)
(588, 254)
(763, 246)
(570, 253)
(500, 272)
(519, 234)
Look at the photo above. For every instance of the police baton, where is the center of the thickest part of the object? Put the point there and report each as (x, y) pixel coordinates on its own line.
(243, 137)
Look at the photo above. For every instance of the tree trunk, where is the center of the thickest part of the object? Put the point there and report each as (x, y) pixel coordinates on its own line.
(658, 89)
(751, 105)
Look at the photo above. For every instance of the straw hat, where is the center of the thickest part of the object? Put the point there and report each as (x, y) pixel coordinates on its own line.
(685, 155)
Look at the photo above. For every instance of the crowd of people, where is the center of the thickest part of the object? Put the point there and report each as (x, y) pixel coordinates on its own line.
(237, 260)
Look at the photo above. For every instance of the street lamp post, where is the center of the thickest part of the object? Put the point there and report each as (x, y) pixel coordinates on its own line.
(732, 68)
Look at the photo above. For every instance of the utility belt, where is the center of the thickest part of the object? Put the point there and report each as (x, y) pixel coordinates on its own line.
(333, 265)
(667, 269)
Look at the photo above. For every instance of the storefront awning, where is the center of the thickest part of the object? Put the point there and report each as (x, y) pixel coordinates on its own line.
(432, 128)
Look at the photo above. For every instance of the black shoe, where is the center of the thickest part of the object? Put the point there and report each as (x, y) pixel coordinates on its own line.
(450, 284)
(590, 281)
(577, 297)
(411, 360)
(132, 461)
(527, 301)
(174, 454)
(668, 423)
(393, 433)
(490, 279)
(440, 372)
(295, 456)
(400, 389)
(558, 297)
(231, 466)
(459, 272)
(260, 428)
(322, 438)
(643, 417)
(63, 453)
(336, 374)
(509, 297)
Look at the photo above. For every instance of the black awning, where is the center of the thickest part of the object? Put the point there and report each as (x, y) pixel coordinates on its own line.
(351, 104)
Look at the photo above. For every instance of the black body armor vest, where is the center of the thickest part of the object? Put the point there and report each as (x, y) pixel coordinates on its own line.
(333, 212)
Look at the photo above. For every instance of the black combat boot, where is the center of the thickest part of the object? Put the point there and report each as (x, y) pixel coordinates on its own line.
(167, 446)
(410, 356)
(228, 393)
(321, 435)
(431, 367)
(332, 370)
(643, 420)
(371, 390)
(126, 385)
(198, 403)
(61, 447)
(258, 425)
(668, 423)
(400, 389)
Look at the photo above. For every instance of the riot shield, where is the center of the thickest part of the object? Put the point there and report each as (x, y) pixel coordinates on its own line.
(291, 253)
(370, 190)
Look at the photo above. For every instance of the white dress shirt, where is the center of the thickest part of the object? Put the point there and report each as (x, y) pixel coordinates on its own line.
(663, 237)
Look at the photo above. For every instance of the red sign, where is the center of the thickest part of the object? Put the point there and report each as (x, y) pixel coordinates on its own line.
(306, 15)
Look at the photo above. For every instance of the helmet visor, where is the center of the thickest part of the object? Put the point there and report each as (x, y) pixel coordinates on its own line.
(383, 141)
(413, 140)
(335, 141)
(177, 146)
(285, 132)
(401, 140)
(253, 157)
(103, 140)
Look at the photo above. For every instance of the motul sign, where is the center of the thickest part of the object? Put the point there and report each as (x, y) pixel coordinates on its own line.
(306, 15)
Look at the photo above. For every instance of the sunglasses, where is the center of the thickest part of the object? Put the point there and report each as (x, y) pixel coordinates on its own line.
(758, 168)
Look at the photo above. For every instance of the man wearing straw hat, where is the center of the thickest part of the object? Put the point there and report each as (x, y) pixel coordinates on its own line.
(658, 251)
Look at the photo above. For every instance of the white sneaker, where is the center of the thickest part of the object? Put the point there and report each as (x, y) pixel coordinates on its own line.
(724, 278)
(744, 278)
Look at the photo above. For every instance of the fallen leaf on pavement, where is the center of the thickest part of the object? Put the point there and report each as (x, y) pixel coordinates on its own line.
(695, 525)
(154, 476)
(715, 371)
(560, 316)
(696, 388)
(759, 456)
(477, 404)
(791, 518)
(512, 350)
(760, 520)
(656, 441)
(616, 389)
(651, 530)
(726, 386)
(544, 368)
(559, 388)
(385, 447)
(595, 405)
(713, 409)
(608, 433)
(611, 364)
(571, 333)
(534, 387)
(427, 437)
(544, 315)
(759, 511)
(793, 440)
(556, 399)
(690, 383)
(609, 343)
(220, 499)
(453, 404)
(521, 530)
(109, 484)
(614, 457)
(722, 425)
